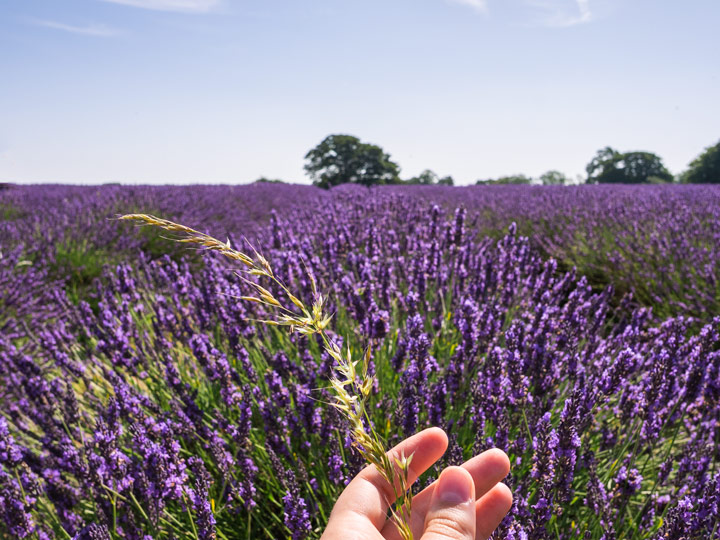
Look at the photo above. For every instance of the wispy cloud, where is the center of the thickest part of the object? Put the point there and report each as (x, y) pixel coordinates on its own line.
(584, 15)
(96, 30)
(478, 5)
(563, 13)
(182, 6)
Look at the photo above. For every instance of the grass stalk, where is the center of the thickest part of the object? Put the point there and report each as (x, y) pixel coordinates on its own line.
(353, 386)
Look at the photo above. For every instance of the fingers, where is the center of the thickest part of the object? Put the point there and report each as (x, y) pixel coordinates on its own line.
(491, 509)
(451, 513)
(486, 469)
(368, 495)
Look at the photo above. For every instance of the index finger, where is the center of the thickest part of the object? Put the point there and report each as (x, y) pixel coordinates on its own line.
(369, 495)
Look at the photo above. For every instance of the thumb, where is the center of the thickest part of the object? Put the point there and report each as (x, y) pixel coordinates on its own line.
(451, 515)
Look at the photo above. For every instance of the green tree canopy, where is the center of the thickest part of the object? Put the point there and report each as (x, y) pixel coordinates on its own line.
(426, 178)
(265, 180)
(612, 167)
(512, 179)
(704, 169)
(341, 159)
(554, 178)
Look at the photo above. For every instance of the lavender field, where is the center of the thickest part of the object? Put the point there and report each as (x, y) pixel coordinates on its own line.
(575, 328)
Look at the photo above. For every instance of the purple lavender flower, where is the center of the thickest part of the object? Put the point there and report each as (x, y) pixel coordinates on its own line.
(297, 516)
(199, 497)
(93, 532)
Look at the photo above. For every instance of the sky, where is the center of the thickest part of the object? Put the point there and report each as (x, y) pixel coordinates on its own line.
(226, 91)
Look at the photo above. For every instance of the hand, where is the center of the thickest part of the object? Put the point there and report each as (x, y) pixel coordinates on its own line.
(465, 503)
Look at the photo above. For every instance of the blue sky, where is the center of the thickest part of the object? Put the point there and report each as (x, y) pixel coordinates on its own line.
(224, 91)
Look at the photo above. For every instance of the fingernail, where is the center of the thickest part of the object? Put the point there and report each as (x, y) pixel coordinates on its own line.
(455, 487)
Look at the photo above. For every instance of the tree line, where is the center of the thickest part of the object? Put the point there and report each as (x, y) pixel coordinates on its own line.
(341, 159)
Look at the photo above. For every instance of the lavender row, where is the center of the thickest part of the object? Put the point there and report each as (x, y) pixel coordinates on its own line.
(658, 242)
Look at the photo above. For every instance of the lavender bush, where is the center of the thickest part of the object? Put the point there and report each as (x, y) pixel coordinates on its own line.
(139, 400)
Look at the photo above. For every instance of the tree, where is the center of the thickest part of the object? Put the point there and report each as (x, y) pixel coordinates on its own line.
(512, 179)
(554, 178)
(425, 178)
(341, 159)
(611, 167)
(704, 169)
(603, 162)
(265, 180)
(428, 177)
